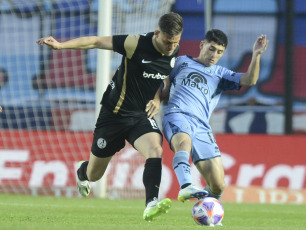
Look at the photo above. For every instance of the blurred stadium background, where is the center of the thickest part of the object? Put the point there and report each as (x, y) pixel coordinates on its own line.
(48, 97)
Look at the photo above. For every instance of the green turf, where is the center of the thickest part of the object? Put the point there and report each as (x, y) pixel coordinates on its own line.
(28, 212)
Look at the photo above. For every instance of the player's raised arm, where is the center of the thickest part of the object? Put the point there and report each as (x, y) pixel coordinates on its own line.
(90, 42)
(251, 76)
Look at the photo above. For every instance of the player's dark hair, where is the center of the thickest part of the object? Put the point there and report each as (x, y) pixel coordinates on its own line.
(171, 23)
(216, 36)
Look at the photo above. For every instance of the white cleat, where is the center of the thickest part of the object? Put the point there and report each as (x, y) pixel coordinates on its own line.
(83, 186)
(191, 192)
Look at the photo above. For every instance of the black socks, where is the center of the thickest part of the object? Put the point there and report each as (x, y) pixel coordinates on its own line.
(82, 171)
(152, 177)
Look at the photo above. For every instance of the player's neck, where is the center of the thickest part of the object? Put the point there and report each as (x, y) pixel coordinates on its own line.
(198, 60)
(155, 45)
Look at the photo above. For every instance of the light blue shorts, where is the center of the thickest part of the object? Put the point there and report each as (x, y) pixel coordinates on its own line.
(204, 145)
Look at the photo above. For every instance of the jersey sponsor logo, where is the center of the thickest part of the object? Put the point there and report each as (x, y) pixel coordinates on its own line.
(101, 143)
(196, 80)
(145, 61)
(154, 76)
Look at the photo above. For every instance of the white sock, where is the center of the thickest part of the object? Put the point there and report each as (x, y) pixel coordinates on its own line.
(181, 167)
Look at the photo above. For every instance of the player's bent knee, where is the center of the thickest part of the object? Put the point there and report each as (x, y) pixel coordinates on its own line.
(218, 188)
(155, 152)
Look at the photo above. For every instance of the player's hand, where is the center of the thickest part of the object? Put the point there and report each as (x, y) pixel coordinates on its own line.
(0, 109)
(260, 45)
(152, 108)
(50, 42)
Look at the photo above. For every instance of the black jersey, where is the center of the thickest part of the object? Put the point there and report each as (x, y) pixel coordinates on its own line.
(139, 76)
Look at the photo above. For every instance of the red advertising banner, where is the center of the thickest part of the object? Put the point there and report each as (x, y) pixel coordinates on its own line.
(258, 168)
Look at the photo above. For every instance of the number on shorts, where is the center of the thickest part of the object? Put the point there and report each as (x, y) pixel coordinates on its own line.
(153, 123)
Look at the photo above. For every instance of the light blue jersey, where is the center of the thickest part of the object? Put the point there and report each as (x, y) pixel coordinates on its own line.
(194, 93)
(196, 89)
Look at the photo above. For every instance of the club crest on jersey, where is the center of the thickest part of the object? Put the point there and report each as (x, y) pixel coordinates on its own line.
(101, 143)
(112, 84)
(196, 80)
(172, 62)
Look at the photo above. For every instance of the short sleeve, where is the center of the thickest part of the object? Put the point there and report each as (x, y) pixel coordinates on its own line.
(230, 80)
(177, 67)
(118, 44)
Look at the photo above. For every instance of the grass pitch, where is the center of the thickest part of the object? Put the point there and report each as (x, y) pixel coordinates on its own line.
(42, 212)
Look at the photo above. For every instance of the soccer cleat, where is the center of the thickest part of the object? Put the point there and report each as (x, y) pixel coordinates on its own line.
(191, 192)
(156, 208)
(219, 224)
(83, 186)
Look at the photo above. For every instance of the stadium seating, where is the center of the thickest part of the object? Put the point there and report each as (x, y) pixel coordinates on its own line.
(65, 70)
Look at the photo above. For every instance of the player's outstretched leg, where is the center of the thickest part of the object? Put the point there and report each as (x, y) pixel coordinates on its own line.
(83, 186)
(156, 208)
(191, 192)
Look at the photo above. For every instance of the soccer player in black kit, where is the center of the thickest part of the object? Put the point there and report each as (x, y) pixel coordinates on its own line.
(130, 102)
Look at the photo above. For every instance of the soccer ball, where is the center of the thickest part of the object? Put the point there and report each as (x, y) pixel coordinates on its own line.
(208, 211)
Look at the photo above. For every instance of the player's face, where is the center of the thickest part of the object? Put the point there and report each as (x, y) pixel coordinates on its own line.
(165, 43)
(210, 53)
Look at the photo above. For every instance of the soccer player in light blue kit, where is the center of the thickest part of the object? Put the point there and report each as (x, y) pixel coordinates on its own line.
(196, 85)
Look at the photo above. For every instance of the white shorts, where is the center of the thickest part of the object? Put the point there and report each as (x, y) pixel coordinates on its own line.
(204, 145)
